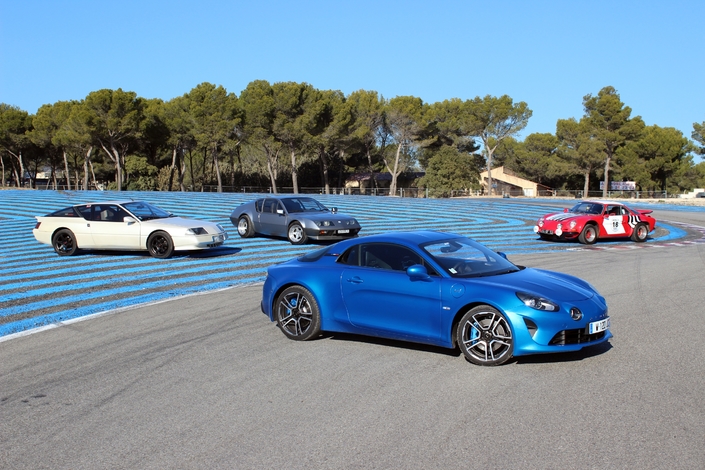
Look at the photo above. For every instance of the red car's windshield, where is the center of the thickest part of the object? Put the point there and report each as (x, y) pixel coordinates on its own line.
(587, 208)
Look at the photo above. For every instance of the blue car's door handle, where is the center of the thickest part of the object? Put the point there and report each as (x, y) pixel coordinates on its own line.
(355, 280)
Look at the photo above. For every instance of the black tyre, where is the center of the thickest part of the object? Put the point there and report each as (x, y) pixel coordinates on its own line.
(297, 314)
(297, 234)
(641, 231)
(588, 236)
(485, 337)
(64, 242)
(244, 227)
(160, 245)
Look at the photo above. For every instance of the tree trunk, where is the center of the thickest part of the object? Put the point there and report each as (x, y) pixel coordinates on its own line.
(605, 188)
(294, 172)
(68, 173)
(86, 164)
(216, 168)
(324, 169)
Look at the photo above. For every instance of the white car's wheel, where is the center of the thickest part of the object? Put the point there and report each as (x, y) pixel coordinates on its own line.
(64, 242)
(160, 245)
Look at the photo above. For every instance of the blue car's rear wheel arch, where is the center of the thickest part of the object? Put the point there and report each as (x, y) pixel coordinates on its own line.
(485, 337)
(64, 242)
(297, 313)
(297, 234)
(244, 227)
(160, 245)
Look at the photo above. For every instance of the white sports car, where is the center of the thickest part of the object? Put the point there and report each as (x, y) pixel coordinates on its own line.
(125, 225)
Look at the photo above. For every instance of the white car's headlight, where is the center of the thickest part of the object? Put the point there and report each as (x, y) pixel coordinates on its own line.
(536, 302)
(196, 231)
(220, 227)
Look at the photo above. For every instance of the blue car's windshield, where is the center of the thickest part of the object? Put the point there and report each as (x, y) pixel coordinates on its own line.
(303, 204)
(145, 211)
(463, 257)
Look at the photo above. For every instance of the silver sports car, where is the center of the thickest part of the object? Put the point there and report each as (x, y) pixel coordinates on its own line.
(298, 218)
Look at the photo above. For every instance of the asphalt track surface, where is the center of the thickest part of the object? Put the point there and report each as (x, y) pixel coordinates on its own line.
(38, 287)
(206, 381)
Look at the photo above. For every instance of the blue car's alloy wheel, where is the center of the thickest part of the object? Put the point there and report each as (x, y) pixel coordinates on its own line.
(297, 313)
(485, 337)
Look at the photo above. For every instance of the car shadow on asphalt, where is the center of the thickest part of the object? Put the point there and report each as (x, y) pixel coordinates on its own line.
(198, 254)
(349, 337)
(575, 356)
(552, 358)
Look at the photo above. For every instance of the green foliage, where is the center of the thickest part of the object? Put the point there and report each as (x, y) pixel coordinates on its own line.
(656, 158)
(449, 170)
(209, 136)
(698, 135)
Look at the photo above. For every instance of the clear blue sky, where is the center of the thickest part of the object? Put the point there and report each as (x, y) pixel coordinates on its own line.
(548, 53)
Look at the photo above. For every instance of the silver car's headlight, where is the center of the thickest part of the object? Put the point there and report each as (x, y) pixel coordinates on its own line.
(324, 223)
(196, 231)
(537, 303)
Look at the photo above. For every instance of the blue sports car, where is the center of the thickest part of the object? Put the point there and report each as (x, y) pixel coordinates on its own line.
(434, 288)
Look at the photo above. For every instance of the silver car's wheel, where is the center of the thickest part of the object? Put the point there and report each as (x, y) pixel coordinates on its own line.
(297, 313)
(297, 234)
(485, 337)
(244, 227)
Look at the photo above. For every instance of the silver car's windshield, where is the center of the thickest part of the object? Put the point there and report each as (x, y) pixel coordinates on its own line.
(303, 204)
(145, 211)
(462, 257)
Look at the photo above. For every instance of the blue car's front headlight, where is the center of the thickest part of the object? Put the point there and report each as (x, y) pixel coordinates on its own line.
(537, 303)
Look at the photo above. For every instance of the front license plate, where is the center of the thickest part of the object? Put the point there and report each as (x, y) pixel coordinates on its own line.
(598, 326)
(344, 231)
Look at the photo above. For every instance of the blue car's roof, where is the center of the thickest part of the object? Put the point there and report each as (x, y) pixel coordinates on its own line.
(417, 237)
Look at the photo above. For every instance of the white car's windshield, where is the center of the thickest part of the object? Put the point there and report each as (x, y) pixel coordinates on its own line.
(145, 211)
(462, 257)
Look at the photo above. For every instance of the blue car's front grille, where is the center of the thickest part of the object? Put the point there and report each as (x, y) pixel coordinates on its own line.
(575, 337)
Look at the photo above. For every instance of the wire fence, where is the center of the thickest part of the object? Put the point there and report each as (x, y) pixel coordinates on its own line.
(407, 192)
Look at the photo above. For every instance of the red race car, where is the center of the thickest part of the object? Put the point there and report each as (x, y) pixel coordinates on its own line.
(589, 220)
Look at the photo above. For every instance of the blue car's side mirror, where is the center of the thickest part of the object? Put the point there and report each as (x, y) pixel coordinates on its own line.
(417, 272)
(502, 254)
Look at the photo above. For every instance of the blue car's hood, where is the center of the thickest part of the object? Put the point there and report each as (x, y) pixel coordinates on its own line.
(555, 286)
